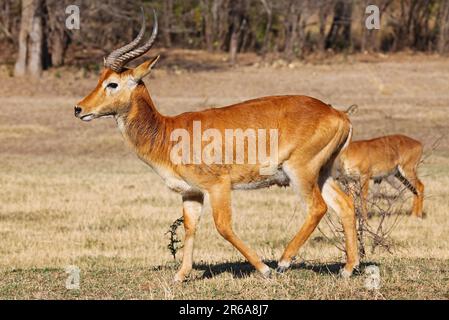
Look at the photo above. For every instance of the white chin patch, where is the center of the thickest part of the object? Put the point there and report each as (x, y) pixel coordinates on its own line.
(88, 117)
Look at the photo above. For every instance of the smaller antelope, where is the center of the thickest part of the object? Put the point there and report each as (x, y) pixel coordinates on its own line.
(382, 158)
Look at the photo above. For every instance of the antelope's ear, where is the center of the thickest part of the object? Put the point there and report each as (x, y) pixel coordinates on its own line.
(144, 69)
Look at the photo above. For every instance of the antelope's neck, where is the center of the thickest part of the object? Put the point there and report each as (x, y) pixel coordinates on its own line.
(145, 129)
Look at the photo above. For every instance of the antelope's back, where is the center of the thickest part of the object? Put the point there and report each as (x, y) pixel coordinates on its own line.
(302, 122)
(281, 112)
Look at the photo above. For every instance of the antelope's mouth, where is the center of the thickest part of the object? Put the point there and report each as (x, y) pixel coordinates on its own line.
(91, 116)
(88, 117)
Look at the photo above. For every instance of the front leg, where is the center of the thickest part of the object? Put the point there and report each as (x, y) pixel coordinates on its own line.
(364, 184)
(220, 200)
(192, 208)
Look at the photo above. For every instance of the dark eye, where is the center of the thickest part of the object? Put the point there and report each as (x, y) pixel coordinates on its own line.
(112, 85)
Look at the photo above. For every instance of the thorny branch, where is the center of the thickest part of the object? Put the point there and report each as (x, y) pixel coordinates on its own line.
(174, 244)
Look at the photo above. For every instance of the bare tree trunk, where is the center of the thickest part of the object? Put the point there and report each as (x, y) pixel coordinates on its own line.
(302, 36)
(403, 32)
(36, 41)
(234, 42)
(323, 13)
(29, 58)
(57, 49)
(364, 41)
(339, 36)
(368, 41)
(443, 25)
(208, 25)
(5, 23)
(215, 7)
(306, 9)
(166, 21)
(57, 36)
(237, 14)
(266, 38)
(347, 36)
(291, 30)
(21, 63)
(220, 12)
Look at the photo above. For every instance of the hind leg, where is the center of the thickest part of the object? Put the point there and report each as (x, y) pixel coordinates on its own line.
(418, 201)
(409, 178)
(343, 205)
(316, 208)
(364, 185)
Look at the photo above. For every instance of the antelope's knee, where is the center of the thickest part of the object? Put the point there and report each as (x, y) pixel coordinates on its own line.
(420, 187)
(224, 230)
(321, 208)
(189, 230)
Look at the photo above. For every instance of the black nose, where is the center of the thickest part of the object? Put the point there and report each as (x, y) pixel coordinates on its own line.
(77, 110)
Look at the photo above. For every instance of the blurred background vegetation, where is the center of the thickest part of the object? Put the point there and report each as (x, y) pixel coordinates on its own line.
(33, 35)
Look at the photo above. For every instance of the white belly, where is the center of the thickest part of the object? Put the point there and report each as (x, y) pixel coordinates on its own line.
(172, 181)
(279, 178)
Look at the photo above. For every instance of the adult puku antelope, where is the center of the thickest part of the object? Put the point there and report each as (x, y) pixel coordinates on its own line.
(311, 135)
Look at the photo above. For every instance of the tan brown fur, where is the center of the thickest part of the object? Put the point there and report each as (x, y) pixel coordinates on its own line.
(311, 135)
(383, 157)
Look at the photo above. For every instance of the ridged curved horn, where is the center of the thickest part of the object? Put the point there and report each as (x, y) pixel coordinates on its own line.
(114, 55)
(118, 64)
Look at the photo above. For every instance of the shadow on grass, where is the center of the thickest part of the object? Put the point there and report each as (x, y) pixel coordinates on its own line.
(244, 269)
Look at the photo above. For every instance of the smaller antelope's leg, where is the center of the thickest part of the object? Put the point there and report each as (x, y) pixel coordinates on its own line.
(192, 208)
(418, 201)
(364, 185)
(220, 200)
(341, 203)
(409, 178)
(316, 208)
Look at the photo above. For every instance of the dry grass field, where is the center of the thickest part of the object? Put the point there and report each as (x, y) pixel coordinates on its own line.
(71, 193)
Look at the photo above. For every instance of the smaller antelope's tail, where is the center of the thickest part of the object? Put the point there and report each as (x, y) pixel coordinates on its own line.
(352, 110)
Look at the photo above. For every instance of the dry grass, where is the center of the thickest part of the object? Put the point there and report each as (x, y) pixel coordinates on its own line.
(72, 193)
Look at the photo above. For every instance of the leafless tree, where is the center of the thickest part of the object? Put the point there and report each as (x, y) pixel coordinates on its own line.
(166, 21)
(58, 38)
(6, 19)
(339, 36)
(238, 21)
(324, 11)
(443, 26)
(29, 59)
(370, 38)
(268, 7)
(291, 28)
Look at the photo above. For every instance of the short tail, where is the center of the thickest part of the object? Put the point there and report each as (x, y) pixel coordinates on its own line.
(352, 110)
